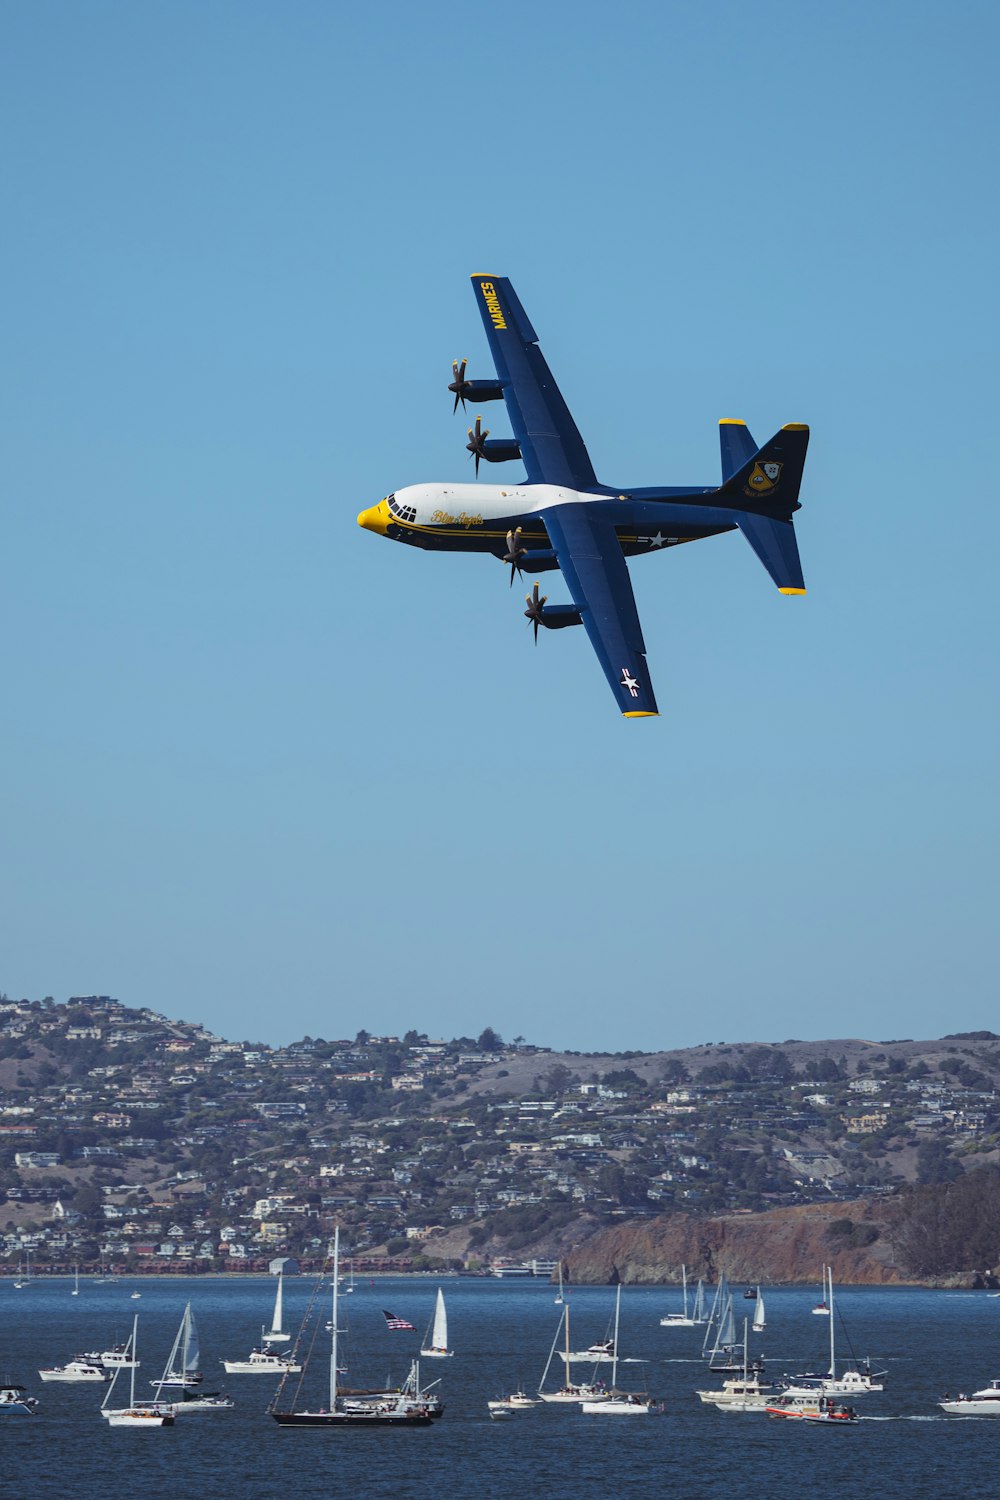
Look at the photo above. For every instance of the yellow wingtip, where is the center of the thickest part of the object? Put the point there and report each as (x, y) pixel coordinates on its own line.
(791, 591)
(731, 422)
(796, 427)
(639, 713)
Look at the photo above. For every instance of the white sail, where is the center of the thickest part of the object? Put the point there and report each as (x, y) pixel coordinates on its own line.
(758, 1314)
(698, 1310)
(276, 1333)
(438, 1346)
(190, 1350)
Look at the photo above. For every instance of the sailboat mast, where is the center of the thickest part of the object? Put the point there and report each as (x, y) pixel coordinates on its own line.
(333, 1340)
(131, 1348)
(566, 1355)
(614, 1351)
(833, 1362)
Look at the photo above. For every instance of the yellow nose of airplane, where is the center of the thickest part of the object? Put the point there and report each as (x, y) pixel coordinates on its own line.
(375, 518)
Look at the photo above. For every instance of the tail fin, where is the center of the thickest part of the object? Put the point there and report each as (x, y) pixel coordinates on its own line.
(768, 483)
(738, 447)
(775, 544)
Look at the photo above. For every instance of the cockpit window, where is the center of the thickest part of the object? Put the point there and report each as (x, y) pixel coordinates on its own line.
(401, 512)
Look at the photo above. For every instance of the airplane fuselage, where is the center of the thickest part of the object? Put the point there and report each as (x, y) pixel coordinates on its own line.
(477, 517)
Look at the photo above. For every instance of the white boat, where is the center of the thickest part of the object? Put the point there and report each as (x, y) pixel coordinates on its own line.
(76, 1282)
(262, 1361)
(570, 1391)
(854, 1380)
(145, 1418)
(616, 1403)
(558, 1299)
(747, 1391)
(984, 1403)
(14, 1403)
(438, 1346)
(821, 1308)
(759, 1323)
(516, 1401)
(135, 1296)
(276, 1333)
(85, 1369)
(682, 1319)
(120, 1357)
(181, 1371)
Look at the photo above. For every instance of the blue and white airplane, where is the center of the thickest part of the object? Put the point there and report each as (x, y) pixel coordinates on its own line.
(561, 516)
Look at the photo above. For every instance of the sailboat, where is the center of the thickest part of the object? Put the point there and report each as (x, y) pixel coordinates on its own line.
(681, 1319)
(76, 1282)
(438, 1346)
(571, 1390)
(133, 1416)
(276, 1333)
(185, 1347)
(759, 1323)
(855, 1380)
(714, 1313)
(616, 1402)
(820, 1308)
(349, 1410)
(558, 1299)
(698, 1314)
(723, 1355)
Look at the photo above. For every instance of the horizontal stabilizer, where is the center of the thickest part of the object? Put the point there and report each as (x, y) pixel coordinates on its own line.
(775, 544)
(738, 447)
(768, 482)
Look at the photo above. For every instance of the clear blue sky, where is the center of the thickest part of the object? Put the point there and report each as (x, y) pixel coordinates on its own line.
(267, 770)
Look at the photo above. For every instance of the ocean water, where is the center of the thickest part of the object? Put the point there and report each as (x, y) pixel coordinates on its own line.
(930, 1342)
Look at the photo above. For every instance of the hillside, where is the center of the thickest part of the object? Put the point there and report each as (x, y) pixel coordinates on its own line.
(130, 1137)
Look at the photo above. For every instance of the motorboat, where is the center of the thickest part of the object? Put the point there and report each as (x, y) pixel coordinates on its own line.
(746, 1392)
(984, 1403)
(84, 1368)
(262, 1361)
(823, 1409)
(116, 1358)
(601, 1353)
(516, 1401)
(14, 1403)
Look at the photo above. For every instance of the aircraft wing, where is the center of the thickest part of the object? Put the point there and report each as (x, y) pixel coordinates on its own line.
(596, 573)
(550, 443)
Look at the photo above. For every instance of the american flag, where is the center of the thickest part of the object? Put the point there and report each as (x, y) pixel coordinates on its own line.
(396, 1324)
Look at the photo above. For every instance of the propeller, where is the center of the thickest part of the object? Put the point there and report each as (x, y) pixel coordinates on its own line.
(534, 609)
(514, 553)
(477, 440)
(458, 385)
